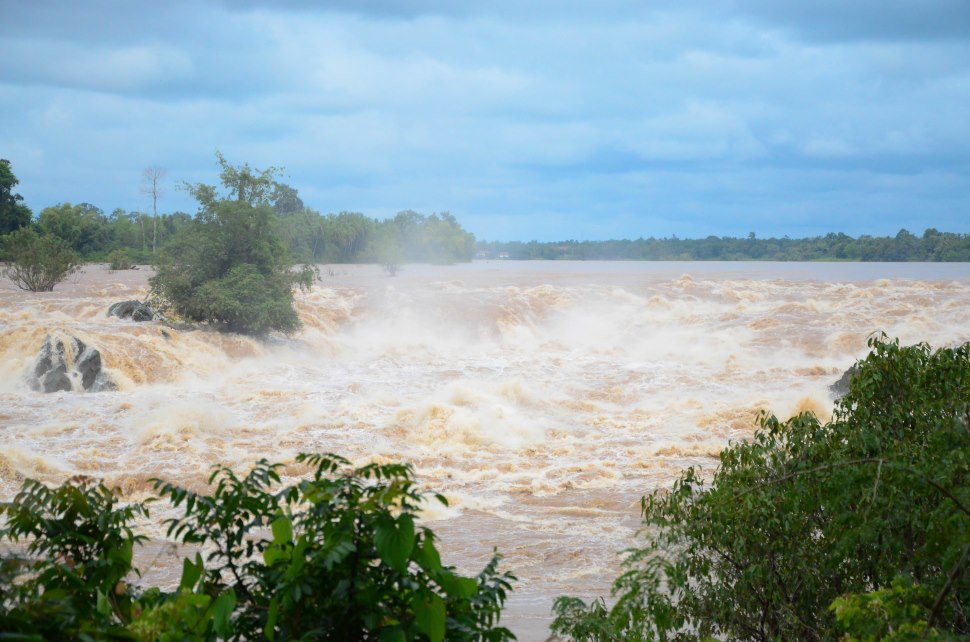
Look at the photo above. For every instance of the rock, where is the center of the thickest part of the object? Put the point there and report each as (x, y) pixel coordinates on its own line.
(134, 310)
(68, 364)
(840, 387)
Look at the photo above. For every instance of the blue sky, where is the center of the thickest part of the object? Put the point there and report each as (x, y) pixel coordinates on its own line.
(541, 120)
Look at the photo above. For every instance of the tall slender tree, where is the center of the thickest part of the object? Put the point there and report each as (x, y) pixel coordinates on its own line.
(152, 179)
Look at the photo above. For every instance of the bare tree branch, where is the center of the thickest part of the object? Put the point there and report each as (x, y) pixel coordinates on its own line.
(152, 179)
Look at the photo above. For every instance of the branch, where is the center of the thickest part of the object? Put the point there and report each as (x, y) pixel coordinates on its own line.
(950, 580)
(867, 460)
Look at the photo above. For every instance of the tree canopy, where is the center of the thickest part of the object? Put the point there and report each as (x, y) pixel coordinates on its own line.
(933, 245)
(229, 266)
(859, 527)
(336, 556)
(37, 263)
(243, 184)
(13, 213)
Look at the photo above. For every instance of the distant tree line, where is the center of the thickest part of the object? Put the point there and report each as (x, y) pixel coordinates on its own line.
(410, 237)
(905, 246)
(351, 237)
(311, 237)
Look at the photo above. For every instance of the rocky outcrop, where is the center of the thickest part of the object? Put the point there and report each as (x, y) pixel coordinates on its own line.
(67, 363)
(134, 310)
(841, 387)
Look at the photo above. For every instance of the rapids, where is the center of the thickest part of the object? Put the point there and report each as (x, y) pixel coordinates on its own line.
(543, 399)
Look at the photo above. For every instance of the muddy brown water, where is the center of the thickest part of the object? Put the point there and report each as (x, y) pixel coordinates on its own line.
(542, 399)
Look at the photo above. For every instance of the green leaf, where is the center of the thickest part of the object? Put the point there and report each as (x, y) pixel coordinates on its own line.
(393, 634)
(429, 611)
(394, 540)
(455, 585)
(465, 587)
(282, 530)
(191, 572)
(222, 613)
(271, 555)
(122, 554)
(103, 606)
(428, 556)
(274, 612)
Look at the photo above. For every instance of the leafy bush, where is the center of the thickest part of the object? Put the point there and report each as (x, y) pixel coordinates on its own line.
(71, 582)
(895, 614)
(808, 515)
(37, 263)
(119, 260)
(335, 557)
(247, 301)
(228, 267)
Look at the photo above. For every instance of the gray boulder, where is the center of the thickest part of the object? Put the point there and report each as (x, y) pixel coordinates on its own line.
(134, 310)
(68, 364)
(841, 387)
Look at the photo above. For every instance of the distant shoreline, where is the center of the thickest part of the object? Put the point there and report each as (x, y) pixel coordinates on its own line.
(932, 247)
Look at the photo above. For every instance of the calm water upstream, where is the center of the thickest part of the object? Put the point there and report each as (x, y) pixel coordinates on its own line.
(543, 399)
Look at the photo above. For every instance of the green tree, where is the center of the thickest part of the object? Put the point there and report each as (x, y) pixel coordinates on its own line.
(124, 231)
(286, 200)
(69, 582)
(63, 221)
(343, 558)
(337, 556)
(13, 213)
(388, 250)
(351, 233)
(84, 227)
(243, 184)
(229, 267)
(119, 260)
(805, 530)
(37, 263)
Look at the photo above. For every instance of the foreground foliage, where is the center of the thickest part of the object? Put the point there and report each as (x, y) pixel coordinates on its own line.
(859, 527)
(335, 557)
(37, 263)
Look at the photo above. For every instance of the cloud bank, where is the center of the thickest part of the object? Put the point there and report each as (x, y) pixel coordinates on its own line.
(544, 120)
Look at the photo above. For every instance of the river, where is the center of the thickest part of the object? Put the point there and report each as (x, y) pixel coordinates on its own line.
(543, 399)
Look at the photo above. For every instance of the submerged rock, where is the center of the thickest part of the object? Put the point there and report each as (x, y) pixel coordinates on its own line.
(134, 310)
(68, 364)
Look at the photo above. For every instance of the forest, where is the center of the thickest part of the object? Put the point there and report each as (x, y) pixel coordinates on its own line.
(347, 237)
(933, 245)
(310, 237)
(411, 237)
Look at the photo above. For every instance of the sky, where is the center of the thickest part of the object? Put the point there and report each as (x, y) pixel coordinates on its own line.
(542, 119)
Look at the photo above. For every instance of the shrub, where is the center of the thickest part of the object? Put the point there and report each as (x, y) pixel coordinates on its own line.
(37, 263)
(71, 582)
(811, 530)
(247, 301)
(119, 260)
(335, 557)
(229, 268)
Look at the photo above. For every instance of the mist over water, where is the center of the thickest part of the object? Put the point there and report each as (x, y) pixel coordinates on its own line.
(543, 399)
